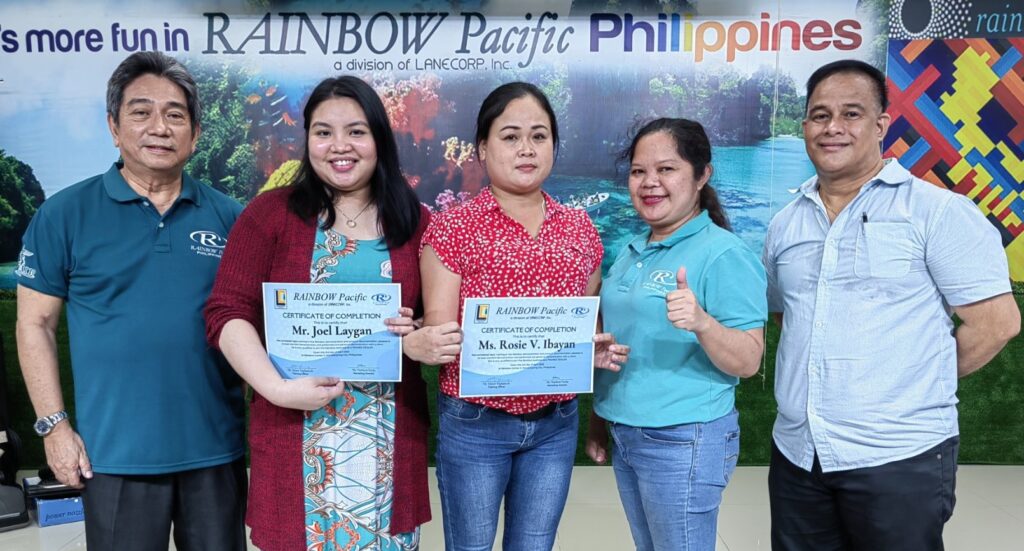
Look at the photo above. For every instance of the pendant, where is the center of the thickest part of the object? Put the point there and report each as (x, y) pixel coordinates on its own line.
(350, 223)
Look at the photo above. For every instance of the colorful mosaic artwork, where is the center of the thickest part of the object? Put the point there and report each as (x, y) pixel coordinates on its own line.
(958, 121)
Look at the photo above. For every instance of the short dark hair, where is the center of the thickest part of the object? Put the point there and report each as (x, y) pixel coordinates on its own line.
(152, 63)
(398, 208)
(850, 66)
(499, 98)
(693, 146)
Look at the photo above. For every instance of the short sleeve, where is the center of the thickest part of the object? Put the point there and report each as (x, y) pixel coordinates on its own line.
(445, 236)
(593, 243)
(45, 259)
(965, 254)
(734, 289)
(768, 262)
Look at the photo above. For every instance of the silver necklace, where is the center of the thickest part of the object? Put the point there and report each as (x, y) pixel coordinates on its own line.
(828, 209)
(351, 222)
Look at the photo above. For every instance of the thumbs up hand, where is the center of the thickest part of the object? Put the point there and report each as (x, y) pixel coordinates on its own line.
(683, 309)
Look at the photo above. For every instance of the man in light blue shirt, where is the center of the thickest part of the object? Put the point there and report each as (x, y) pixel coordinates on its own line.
(864, 268)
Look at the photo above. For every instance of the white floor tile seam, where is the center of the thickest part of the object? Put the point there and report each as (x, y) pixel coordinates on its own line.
(74, 541)
(1015, 511)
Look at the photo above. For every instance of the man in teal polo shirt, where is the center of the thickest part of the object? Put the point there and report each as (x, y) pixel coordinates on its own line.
(133, 253)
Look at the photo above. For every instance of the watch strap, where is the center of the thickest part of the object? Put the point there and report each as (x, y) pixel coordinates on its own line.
(44, 425)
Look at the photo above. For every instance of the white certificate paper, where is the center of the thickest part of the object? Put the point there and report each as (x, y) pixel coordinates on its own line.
(522, 346)
(333, 329)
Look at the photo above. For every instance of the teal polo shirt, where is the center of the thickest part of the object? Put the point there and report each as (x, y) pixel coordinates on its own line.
(151, 397)
(668, 379)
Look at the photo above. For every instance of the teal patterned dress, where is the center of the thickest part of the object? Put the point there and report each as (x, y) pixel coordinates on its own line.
(348, 445)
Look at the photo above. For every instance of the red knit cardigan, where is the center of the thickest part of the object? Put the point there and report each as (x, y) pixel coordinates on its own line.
(270, 243)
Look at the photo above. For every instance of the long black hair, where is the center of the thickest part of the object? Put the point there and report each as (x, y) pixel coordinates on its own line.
(398, 208)
(693, 146)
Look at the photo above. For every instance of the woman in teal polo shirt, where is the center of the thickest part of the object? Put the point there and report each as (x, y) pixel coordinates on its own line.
(688, 298)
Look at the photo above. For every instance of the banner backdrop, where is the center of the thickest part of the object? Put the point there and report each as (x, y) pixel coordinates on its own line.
(738, 67)
(956, 75)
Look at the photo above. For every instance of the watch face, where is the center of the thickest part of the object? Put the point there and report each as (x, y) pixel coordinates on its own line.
(42, 427)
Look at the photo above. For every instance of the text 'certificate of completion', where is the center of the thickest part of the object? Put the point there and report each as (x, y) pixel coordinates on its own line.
(333, 330)
(519, 346)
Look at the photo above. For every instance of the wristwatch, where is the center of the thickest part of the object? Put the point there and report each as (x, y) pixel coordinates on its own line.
(44, 425)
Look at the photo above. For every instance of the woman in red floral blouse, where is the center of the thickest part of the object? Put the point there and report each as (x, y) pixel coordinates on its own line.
(512, 240)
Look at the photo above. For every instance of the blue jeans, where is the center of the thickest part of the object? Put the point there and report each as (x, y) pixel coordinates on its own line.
(484, 455)
(671, 480)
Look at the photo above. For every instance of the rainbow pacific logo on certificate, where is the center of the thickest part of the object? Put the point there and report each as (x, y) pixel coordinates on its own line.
(522, 346)
(333, 330)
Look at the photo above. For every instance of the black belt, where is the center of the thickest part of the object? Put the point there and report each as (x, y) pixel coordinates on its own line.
(535, 415)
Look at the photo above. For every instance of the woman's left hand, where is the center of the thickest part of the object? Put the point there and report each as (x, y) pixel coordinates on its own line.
(683, 309)
(596, 445)
(403, 324)
(608, 354)
(434, 345)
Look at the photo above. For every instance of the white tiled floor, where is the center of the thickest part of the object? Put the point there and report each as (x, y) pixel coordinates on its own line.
(989, 515)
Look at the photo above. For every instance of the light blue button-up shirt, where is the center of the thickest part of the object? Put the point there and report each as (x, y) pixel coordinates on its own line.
(866, 368)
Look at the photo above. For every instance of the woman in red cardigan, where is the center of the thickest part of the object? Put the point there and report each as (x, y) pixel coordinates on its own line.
(334, 464)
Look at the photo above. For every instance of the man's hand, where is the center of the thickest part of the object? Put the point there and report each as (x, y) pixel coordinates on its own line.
(683, 310)
(66, 456)
(434, 345)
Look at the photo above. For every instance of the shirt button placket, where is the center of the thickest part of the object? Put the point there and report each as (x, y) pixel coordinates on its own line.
(816, 359)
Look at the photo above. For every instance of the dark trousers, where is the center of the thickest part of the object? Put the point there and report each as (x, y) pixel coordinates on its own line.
(205, 507)
(901, 505)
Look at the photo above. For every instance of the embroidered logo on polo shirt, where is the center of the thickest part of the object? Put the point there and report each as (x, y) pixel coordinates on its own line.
(385, 269)
(663, 277)
(23, 270)
(207, 243)
(660, 282)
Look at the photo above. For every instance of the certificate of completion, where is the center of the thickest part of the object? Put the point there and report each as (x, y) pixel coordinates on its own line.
(519, 346)
(333, 330)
